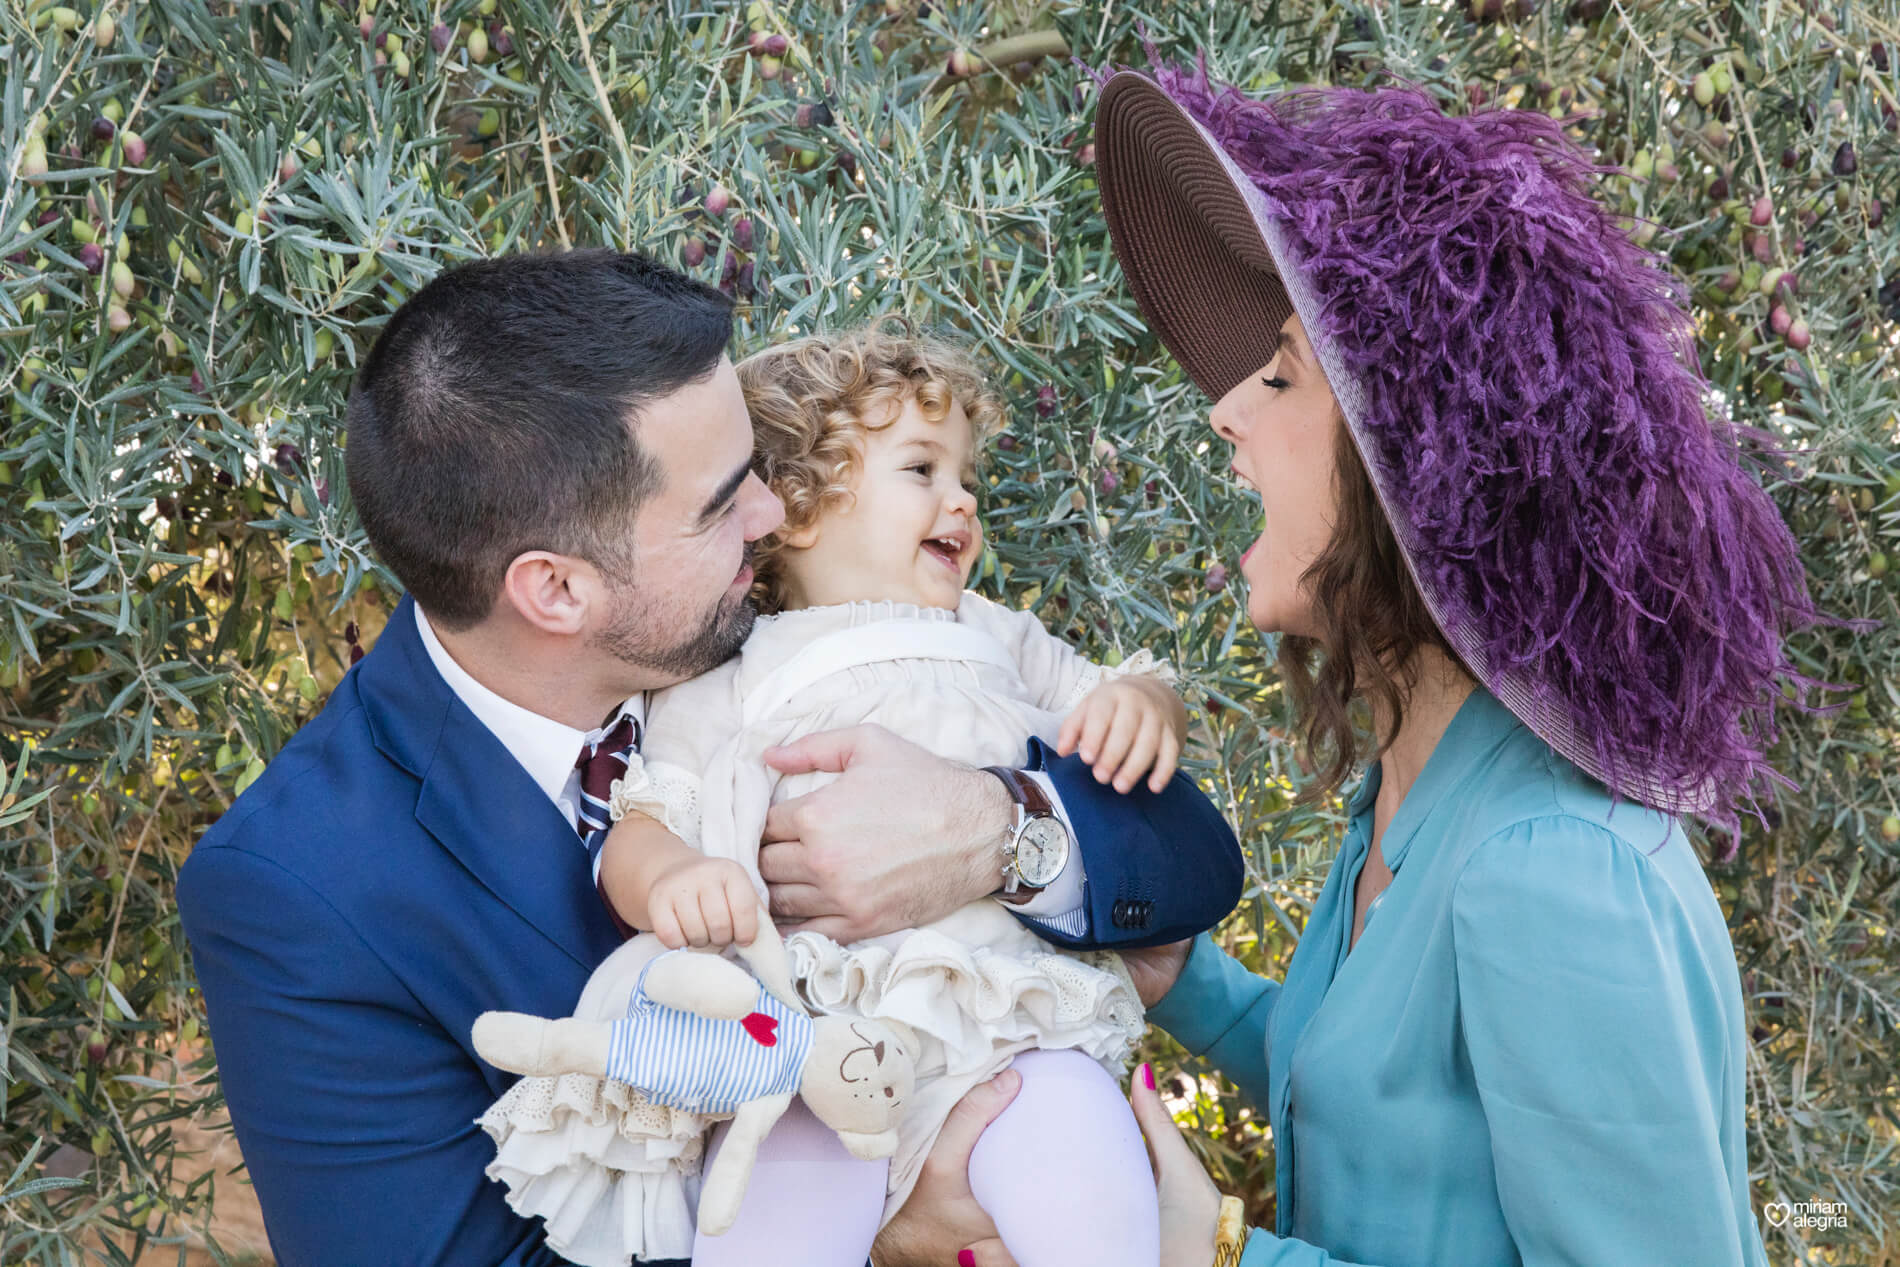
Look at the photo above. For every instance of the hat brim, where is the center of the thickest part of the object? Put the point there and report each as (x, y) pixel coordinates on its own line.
(1189, 230)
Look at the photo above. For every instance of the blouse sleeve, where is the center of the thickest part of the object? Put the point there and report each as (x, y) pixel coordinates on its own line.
(1594, 1019)
(1058, 674)
(1219, 1010)
(685, 726)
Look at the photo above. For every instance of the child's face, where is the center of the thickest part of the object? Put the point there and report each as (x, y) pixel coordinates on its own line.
(910, 532)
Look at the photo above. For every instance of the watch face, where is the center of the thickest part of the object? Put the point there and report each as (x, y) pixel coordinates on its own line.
(1041, 851)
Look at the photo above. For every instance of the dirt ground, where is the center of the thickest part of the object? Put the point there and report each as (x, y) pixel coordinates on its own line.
(238, 1225)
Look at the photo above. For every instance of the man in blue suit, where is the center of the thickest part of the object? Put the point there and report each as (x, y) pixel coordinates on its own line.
(553, 455)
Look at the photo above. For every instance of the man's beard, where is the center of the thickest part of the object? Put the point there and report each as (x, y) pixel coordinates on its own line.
(638, 633)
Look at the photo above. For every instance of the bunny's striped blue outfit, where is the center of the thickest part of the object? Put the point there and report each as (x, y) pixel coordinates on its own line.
(702, 1065)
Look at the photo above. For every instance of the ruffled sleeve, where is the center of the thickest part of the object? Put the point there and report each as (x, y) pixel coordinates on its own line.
(685, 725)
(1058, 674)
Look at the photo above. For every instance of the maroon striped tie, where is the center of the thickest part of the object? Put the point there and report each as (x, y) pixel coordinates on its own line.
(600, 764)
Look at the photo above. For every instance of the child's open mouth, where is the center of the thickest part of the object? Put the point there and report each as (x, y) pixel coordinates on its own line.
(948, 550)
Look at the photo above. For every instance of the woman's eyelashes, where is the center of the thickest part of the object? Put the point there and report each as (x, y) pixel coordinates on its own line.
(1277, 384)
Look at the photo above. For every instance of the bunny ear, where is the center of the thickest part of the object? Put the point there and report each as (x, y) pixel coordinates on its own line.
(869, 1147)
(771, 965)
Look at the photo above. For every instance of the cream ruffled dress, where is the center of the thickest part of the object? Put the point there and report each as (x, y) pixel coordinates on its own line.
(614, 1175)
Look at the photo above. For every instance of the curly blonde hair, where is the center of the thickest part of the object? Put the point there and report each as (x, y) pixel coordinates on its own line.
(814, 400)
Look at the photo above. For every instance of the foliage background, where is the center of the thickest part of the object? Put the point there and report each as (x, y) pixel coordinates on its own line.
(182, 580)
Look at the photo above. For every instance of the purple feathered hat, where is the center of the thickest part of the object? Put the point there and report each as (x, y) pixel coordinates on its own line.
(1521, 381)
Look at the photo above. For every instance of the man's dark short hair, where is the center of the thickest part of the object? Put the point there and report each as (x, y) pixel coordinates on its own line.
(496, 413)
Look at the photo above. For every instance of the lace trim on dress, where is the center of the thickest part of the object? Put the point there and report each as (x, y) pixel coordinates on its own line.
(1141, 664)
(861, 612)
(665, 793)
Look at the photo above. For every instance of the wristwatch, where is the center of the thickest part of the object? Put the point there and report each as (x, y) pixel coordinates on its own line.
(1037, 848)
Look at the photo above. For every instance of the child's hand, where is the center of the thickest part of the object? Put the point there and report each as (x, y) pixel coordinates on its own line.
(1124, 728)
(701, 901)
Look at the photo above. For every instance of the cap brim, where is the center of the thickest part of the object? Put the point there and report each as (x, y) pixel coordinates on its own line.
(1187, 226)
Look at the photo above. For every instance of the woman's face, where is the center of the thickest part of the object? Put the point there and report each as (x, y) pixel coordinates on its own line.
(1281, 424)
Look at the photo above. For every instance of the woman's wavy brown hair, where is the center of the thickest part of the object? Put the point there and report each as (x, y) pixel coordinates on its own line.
(1372, 622)
(813, 400)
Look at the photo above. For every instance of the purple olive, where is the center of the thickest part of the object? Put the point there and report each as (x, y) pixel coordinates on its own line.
(349, 632)
(91, 257)
(693, 254)
(1046, 399)
(1845, 164)
(1006, 442)
(1789, 159)
(440, 37)
(717, 201)
(742, 233)
(288, 457)
(500, 39)
(197, 383)
(775, 45)
(103, 128)
(1763, 211)
(1215, 578)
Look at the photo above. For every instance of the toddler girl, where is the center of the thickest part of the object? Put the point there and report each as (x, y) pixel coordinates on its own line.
(868, 438)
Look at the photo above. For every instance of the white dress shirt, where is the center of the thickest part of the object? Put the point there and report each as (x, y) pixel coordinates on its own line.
(547, 750)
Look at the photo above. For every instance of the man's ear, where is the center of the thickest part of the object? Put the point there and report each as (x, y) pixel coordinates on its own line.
(552, 592)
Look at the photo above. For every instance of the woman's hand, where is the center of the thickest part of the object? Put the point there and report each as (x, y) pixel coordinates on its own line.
(941, 1219)
(1190, 1203)
(1155, 969)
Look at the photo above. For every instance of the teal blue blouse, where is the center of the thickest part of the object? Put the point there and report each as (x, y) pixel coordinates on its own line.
(1533, 1055)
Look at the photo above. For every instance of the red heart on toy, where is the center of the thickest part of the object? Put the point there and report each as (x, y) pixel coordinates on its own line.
(763, 1028)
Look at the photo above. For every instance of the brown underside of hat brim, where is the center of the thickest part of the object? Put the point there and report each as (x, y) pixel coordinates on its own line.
(1190, 244)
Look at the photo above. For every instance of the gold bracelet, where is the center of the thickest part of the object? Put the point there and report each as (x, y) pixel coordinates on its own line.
(1230, 1233)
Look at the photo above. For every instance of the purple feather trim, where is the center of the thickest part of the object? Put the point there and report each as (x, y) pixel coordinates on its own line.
(1536, 405)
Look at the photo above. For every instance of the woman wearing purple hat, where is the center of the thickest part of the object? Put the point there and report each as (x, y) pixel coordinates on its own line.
(1496, 510)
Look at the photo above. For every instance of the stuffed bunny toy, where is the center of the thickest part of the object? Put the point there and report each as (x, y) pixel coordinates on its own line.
(703, 1035)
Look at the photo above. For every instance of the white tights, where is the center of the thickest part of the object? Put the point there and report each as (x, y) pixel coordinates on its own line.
(1062, 1172)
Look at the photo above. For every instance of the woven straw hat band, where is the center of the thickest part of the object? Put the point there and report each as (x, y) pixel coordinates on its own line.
(1188, 243)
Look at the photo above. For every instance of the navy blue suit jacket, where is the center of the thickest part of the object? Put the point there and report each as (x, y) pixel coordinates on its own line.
(394, 873)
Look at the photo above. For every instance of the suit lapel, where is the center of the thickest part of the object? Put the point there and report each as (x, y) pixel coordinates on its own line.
(475, 798)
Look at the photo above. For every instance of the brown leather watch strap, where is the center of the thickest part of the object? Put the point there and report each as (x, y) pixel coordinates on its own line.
(1026, 791)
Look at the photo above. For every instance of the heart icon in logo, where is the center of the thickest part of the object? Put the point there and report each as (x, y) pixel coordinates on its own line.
(1777, 1212)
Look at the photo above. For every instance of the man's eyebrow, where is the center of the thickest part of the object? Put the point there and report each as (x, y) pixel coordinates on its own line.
(724, 492)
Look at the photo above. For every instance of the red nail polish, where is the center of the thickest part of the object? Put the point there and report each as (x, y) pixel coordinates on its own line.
(966, 1258)
(1148, 1075)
